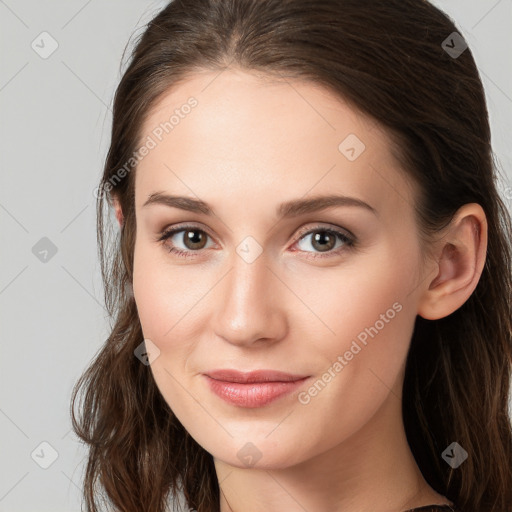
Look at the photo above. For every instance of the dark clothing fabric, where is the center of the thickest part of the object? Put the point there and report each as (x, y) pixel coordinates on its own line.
(434, 508)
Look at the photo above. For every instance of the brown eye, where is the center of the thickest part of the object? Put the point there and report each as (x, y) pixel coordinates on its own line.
(324, 240)
(194, 239)
(184, 240)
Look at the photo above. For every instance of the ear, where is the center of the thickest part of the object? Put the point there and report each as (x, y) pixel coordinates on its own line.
(461, 259)
(118, 210)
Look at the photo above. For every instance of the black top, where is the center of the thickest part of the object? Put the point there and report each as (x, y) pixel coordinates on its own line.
(434, 508)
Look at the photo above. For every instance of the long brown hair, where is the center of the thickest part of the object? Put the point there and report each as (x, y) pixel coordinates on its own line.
(388, 60)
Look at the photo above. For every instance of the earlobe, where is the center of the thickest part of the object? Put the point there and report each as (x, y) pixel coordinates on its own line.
(119, 211)
(460, 261)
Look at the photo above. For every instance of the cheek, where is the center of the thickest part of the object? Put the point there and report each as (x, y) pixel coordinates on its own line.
(368, 316)
(370, 298)
(165, 302)
(172, 302)
(372, 320)
(165, 294)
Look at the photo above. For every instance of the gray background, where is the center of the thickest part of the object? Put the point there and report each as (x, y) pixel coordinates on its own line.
(55, 126)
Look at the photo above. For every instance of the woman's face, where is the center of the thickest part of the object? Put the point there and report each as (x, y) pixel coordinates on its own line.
(261, 282)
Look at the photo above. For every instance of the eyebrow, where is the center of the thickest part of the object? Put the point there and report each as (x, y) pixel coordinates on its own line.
(291, 208)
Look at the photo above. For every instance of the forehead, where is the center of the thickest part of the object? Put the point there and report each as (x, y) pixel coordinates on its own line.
(252, 137)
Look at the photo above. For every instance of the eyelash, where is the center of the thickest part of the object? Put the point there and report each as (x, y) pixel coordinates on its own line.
(349, 242)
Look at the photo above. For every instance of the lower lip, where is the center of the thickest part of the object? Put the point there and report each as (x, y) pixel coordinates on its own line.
(254, 394)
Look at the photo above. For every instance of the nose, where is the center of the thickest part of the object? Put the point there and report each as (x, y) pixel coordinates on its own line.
(249, 304)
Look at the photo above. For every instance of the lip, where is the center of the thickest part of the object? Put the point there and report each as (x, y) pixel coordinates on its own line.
(252, 389)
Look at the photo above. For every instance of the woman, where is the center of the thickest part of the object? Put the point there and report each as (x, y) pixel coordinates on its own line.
(311, 288)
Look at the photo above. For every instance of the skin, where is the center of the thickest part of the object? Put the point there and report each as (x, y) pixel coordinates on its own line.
(247, 146)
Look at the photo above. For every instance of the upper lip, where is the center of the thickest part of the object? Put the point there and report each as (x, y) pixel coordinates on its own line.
(253, 376)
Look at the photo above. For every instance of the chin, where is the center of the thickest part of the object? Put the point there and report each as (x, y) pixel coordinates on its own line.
(258, 453)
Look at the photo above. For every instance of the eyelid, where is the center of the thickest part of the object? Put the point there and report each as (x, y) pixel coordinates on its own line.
(173, 228)
(325, 226)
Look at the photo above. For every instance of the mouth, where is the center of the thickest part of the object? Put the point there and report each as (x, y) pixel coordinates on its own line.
(252, 389)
